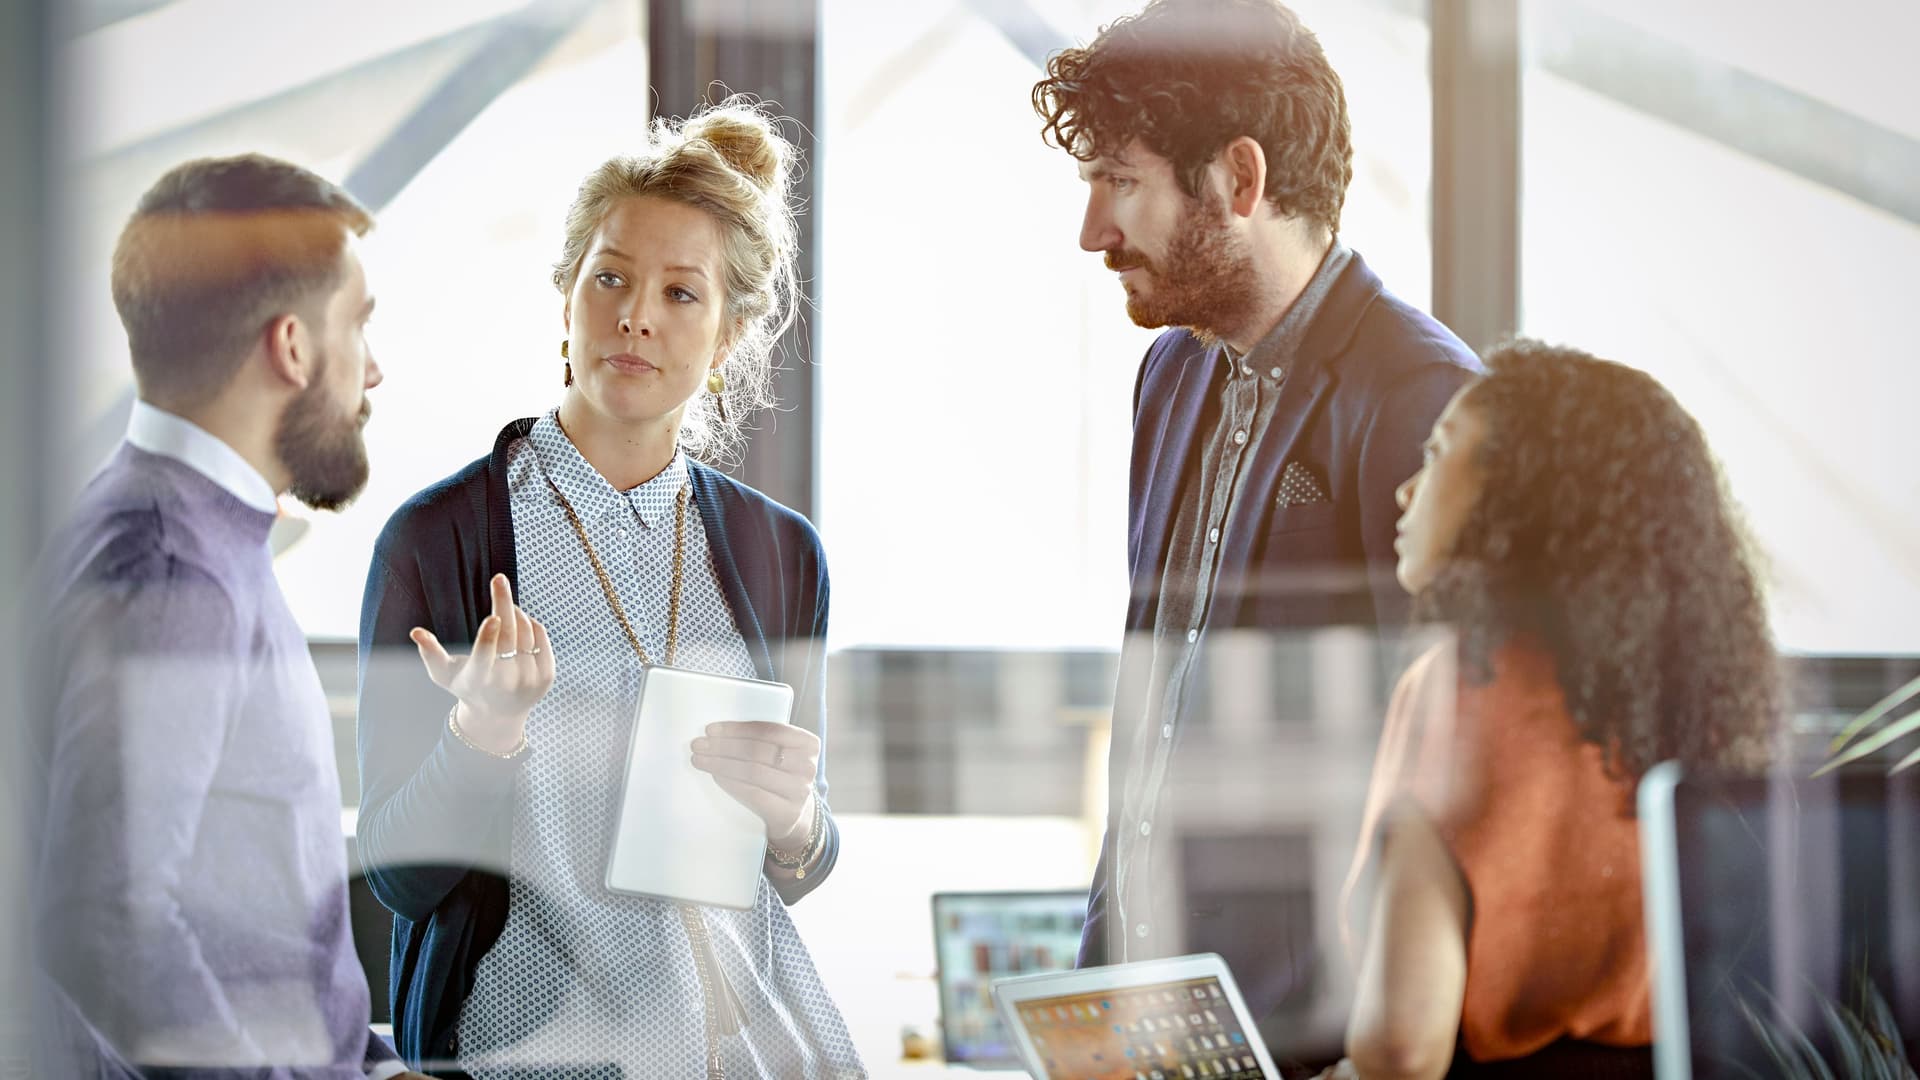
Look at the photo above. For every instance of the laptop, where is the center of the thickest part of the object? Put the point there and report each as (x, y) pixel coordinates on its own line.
(1776, 908)
(1171, 1019)
(981, 936)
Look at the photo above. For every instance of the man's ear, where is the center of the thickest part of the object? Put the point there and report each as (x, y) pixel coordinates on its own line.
(290, 351)
(1246, 168)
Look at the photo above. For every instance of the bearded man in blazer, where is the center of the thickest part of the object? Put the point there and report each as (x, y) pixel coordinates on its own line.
(1289, 396)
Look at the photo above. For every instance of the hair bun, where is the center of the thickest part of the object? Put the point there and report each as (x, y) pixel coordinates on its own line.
(746, 140)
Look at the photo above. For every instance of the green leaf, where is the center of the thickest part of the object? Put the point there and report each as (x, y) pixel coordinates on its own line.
(1774, 1043)
(1893, 733)
(1867, 719)
(1879, 1019)
(1792, 1052)
(1905, 762)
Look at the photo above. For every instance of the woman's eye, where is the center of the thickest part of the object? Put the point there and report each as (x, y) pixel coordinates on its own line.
(682, 295)
(609, 278)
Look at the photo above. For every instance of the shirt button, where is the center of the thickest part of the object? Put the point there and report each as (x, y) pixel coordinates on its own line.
(1193, 636)
(1274, 373)
(1213, 536)
(1239, 438)
(1246, 369)
(1146, 828)
(1166, 731)
(1140, 931)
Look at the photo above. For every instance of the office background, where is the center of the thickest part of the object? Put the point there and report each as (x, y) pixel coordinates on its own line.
(1722, 193)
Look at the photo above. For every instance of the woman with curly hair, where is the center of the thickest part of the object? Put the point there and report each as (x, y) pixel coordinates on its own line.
(1570, 526)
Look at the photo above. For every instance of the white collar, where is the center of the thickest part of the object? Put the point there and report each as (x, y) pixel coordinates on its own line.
(160, 432)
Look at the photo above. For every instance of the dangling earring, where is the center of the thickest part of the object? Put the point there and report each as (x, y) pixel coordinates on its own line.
(717, 385)
(566, 368)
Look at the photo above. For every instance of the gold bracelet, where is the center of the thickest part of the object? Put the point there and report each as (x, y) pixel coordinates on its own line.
(454, 726)
(798, 863)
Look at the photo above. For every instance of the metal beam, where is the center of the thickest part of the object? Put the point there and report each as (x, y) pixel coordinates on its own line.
(1024, 27)
(514, 46)
(1756, 116)
(1476, 167)
(701, 49)
(277, 49)
(90, 15)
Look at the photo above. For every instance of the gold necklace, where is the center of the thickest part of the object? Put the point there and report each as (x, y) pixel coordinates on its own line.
(606, 582)
(704, 964)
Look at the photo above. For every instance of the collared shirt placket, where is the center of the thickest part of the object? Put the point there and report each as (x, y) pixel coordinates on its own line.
(1250, 399)
(1222, 461)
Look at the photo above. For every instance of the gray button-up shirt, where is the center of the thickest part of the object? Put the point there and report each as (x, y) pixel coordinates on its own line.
(1249, 395)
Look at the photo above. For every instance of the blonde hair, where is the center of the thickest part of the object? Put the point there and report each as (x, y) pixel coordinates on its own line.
(731, 161)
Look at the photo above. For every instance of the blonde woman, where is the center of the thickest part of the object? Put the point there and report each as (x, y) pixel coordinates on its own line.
(534, 585)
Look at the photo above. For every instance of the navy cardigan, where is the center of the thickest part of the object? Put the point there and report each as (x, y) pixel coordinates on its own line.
(436, 815)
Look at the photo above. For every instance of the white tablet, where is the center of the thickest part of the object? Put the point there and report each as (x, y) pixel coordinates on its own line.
(1153, 1020)
(677, 835)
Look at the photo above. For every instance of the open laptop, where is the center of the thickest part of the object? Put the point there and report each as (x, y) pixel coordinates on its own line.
(1169, 1019)
(1771, 903)
(982, 936)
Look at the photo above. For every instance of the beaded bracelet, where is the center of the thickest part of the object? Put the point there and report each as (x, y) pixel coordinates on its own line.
(454, 726)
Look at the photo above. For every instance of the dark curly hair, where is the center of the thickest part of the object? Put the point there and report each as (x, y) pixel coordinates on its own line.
(1187, 77)
(1604, 532)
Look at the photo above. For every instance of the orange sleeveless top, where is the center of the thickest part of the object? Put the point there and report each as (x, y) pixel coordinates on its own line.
(1547, 845)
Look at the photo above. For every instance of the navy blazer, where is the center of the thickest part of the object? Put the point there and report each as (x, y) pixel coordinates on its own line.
(1369, 378)
(435, 827)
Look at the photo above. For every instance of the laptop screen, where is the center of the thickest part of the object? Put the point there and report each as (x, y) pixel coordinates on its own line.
(980, 937)
(1161, 1031)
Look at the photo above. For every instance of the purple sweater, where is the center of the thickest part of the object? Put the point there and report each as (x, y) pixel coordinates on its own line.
(190, 895)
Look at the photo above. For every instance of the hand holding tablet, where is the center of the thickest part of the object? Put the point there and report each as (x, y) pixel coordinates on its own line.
(769, 768)
(689, 833)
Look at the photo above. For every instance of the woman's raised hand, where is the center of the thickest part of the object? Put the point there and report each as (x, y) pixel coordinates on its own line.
(499, 683)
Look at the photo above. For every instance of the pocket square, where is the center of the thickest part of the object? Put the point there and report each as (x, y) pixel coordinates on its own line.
(1299, 487)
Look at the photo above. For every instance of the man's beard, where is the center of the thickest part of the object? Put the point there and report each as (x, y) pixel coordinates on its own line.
(322, 448)
(1205, 280)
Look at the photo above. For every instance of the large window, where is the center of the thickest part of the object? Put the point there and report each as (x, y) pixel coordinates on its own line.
(466, 127)
(976, 367)
(1708, 198)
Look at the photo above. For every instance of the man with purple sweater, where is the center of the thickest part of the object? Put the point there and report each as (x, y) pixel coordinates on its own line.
(190, 881)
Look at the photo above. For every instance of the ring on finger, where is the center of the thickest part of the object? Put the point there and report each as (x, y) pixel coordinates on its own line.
(510, 654)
